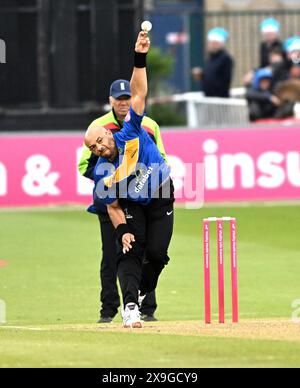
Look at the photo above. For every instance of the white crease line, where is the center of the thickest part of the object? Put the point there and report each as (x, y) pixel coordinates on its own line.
(22, 328)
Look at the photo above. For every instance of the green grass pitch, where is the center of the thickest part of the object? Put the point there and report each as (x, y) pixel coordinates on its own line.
(51, 291)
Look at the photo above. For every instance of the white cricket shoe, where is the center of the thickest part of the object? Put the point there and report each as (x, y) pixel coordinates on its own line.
(131, 316)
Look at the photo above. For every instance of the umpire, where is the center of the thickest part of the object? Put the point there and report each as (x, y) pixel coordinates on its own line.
(120, 100)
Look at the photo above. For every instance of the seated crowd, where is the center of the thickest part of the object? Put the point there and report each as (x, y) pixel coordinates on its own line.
(273, 88)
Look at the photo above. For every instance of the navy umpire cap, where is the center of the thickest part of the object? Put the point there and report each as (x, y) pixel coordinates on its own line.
(120, 88)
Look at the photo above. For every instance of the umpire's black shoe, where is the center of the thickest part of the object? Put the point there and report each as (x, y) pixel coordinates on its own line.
(105, 320)
(149, 318)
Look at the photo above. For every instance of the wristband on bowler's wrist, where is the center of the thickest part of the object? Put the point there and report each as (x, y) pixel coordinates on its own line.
(121, 230)
(140, 60)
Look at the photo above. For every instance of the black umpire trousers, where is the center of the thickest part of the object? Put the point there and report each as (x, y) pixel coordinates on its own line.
(152, 227)
(109, 296)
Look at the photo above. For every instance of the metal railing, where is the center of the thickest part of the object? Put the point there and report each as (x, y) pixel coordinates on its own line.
(217, 112)
(206, 112)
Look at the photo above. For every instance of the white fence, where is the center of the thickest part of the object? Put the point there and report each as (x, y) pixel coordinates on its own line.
(203, 111)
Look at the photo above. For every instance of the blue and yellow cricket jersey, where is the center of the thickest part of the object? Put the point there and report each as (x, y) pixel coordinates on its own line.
(109, 121)
(137, 173)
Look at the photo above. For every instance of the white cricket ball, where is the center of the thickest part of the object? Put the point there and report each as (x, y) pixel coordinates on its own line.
(146, 26)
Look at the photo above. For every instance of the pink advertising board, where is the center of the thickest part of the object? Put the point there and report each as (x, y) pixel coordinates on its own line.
(253, 164)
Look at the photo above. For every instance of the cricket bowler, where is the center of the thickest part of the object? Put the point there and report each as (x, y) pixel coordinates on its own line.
(133, 179)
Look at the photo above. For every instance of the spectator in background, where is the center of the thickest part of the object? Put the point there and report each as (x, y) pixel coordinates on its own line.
(262, 103)
(272, 52)
(293, 54)
(270, 29)
(277, 61)
(289, 68)
(295, 72)
(276, 58)
(287, 79)
(218, 69)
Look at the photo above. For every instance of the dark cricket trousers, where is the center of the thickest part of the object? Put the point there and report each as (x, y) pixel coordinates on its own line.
(152, 227)
(109, 296)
